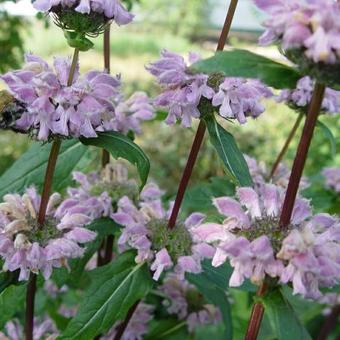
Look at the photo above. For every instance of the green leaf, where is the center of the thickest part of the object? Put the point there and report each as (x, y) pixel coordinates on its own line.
(283, 318)
(78, 40)
(168, 329)
(245, 64)
(113, 290)
(328, 135)
(30, 168)
(227, 149)
(210, 331)
(216, 296)
(8, 278)
(11, 301)
(121, 146)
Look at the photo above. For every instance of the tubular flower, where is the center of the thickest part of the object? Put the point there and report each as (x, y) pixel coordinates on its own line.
(97, 12)
(26, 246)
(184, 301)
(98, 193)
(145, 229)
(308, 33)
(301, 96)
(53, 108)
(129, 114)
(43, 329)
(332, 176)
(187, 95)
(305, 254)
(239, 98)
(137, 326)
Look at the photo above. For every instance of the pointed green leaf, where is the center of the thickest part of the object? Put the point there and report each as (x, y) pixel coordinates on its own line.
(283, 318)
(8, 278)
(30, 168)
(230, 154)
(113, 290)
(245, 64)
(167, 329)
(11, 301)
(328, 135)
(121, 146)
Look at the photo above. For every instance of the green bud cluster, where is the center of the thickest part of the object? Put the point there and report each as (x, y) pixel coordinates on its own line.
(42, 235)
(177, 241)
(268, 226)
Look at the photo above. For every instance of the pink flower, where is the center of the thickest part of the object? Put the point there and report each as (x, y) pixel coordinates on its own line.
(238, 98)
(137, 326)
(302, 96)
(53, 108)
(250, 239)
(182, 91)
(26, 246)
(332, 176)
(178, 302)
(311, 26)
(162, 262)
(145, 229)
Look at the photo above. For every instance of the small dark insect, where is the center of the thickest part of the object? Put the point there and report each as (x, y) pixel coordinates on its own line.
(10, 111)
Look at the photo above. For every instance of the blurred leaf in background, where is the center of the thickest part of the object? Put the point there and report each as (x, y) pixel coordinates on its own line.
(11, 39)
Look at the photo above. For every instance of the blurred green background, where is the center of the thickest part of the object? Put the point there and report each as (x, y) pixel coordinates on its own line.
(179, 26)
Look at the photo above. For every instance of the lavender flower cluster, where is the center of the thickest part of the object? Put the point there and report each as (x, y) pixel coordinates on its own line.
(137, 326)
(311, 26)
(43, 329)
(180, 296)
(145, 229)
(98, 193)
(332, 176)
(306, 254)
(111, 9)
(301, 96)
(184, 93)
(260, 174)
(92, 103)
(29, 247)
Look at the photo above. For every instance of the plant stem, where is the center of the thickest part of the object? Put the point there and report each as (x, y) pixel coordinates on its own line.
(192, 156)
(286, 145)
(330, 324)
(256, 316)
(291, 193)
(30, 297)
(196, 146)
(52, 161)
(106, 155)
(122, 327)
(73, 67)
(51, 165)
(301, 155)
(107, 68)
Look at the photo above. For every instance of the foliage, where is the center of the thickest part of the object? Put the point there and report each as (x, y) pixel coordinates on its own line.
(11, 39)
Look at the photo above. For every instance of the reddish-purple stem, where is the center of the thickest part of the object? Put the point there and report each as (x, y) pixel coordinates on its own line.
(293, 186)
(196, 146)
